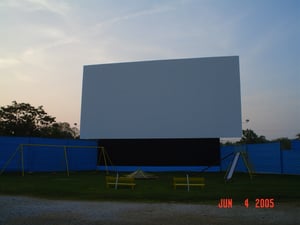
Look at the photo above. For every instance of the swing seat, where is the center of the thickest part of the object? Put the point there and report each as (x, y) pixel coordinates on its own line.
(192, 182)
(120, 181)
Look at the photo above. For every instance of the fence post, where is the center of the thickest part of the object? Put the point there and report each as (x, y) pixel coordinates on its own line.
(66, 158)
(281, 161)
(22, 159)
(188, 182)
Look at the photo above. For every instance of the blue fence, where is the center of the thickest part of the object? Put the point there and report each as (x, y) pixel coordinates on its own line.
(46, 155)
(291, 159)
(265, 158)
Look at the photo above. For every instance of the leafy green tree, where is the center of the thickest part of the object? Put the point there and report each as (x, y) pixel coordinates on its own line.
(61, 130)
(250, 137)
(22, 119)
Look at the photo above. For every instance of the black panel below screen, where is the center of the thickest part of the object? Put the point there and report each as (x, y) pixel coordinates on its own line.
(163, 152)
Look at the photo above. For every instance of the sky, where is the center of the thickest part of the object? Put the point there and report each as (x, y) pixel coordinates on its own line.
(44, 45)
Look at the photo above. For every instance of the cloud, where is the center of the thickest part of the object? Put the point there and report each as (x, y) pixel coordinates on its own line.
(134, 15)
(7, 62)
(38, 49)
(34, 53)
(56, 7)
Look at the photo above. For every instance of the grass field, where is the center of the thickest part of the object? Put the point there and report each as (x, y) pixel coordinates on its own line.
(91, 186)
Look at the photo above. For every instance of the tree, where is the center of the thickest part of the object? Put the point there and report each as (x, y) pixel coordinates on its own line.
(61, 130)
(298, 136)
(250, 137)
(22, 119)
(285, 143)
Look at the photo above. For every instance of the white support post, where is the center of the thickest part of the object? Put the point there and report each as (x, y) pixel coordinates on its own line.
(188, 182)
(233, 165)
(117, 180)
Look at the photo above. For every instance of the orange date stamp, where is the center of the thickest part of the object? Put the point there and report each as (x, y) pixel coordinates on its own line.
(259, 203)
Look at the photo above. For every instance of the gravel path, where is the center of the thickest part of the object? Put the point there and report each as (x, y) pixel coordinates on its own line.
(34, 211)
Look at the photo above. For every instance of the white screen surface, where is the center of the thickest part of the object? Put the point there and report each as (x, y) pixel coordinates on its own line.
(181, 98)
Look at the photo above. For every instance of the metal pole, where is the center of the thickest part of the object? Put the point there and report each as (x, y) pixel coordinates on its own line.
(9, 160)
(22, 160)
(66, 158)
(188, 182)
(104, 157)
(247, 164)
(117, 180)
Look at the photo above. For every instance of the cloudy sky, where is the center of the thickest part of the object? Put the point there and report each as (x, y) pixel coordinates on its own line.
(45, 43)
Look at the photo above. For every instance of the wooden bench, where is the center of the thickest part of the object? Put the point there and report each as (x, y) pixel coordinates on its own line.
(120, 181)
(188, 182)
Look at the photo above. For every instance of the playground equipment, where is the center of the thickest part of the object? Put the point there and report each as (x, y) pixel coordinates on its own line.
(233, 164)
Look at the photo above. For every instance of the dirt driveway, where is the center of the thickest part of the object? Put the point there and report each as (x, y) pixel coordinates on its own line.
(34, 211)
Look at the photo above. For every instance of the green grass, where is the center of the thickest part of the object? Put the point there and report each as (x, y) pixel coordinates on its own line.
(91, 186)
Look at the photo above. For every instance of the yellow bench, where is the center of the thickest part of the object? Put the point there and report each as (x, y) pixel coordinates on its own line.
(188, 181)
(120, 181)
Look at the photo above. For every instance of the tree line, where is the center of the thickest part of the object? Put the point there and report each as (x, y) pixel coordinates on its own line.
(250, 137)
(25, 120)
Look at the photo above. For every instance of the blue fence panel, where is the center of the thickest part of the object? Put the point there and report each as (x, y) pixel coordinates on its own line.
(40, 158)
(84, 158)
(291, 162)
(227, 154)
(44, 159)
(241, 167)
(296, 145)
(78, 158)
(81, 159)
(47, 141)
(8, 149)
(265, 158)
